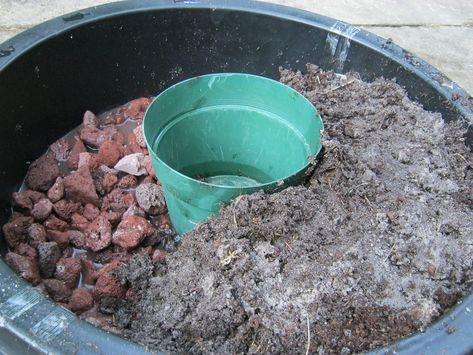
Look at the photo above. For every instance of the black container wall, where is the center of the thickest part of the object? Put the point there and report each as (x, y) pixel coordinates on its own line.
(101, 57)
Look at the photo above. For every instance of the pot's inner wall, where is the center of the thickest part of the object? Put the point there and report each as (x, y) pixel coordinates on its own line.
(45, 91)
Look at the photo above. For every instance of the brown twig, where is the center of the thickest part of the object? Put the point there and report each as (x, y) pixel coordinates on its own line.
(369, 203)
(338, 87)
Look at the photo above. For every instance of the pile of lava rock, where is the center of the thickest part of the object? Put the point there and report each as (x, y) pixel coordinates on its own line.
(91, 202)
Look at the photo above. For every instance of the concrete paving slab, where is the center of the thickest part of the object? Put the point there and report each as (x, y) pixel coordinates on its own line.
(391, 12)
(27, 13)
(7, 33)
(449, 49)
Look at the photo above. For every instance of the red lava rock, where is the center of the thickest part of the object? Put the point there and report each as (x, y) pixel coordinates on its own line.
(15, 215)
(25, 266)
(55, 223)
(128, 182)
(80, 187)
(42, 173)
(132, 145)
(34, 196)
(112, 216)
(140, 139)
(57, 289)
(65, 208)
(79, 222)
(73, 161)
(132, 164)
(159, 256)
(108, 182)
(48, 255)
(20, 200)
(60, 149)
(98, 235)
(99, 179)
(131, 231)
(95, 137)
(16, 231)
(42, 209)
(90, 120)
(88, 270)
(56, 192)
(108, 286)
(134, 211)
(90, 212)
(148, 166)
(99, 320)
(90, 136)
(136, 108)
(36, 234)
(76, 238)
(148, 180)
(110, 153)
(110, 254)
(89, 160)
(129, 199)
(119, 137)
(107, 268)
(103, 170)
(25, 200)
(150, 198)
(61, 238)
(67, 252)
(119, 119)
(163, 222)
(81, 300)
(115, 117)
(118, 200)
(68, 270)
(26, 250)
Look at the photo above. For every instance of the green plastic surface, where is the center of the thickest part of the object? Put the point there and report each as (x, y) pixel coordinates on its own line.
(215, 137)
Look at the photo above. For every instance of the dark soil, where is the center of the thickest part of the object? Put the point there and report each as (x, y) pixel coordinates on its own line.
(375, 246)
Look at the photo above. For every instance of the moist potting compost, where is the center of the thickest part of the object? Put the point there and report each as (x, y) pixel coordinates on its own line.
(375, 245)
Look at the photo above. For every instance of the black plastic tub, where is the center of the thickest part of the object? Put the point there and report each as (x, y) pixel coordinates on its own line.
(101, 57)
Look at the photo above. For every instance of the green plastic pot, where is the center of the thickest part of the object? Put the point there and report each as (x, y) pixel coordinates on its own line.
(215, 137)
